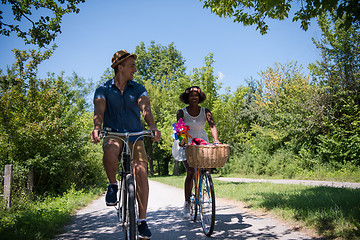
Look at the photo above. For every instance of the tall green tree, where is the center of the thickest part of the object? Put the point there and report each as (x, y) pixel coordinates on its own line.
(159, 64)
(162, 70)
(257, 12)
(43, 29)
(280, 109)
(207, 81)
(231, 124)
(338, 75)
(287, 102)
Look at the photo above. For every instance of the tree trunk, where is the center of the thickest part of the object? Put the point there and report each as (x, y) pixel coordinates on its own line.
(8, 177)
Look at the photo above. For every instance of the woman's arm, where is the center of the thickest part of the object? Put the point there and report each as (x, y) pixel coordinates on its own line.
(212, 126)
(179, 114)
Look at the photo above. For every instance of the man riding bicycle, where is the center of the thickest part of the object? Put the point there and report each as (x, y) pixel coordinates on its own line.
(117, 105)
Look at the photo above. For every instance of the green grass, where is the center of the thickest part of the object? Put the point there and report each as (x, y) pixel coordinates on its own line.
(42, 218)
(333, 213)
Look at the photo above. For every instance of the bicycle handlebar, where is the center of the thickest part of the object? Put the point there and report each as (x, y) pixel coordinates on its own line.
(148, 133)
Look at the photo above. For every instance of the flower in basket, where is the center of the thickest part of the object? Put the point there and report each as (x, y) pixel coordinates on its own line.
(180, 131)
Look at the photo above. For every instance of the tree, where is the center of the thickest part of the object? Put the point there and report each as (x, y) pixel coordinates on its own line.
(227, 111)
(159, 64)
(205, 78)
(44, 124)
(43, 30)
(288, 106)
(338, 75)
(251, 12)
(162, 71)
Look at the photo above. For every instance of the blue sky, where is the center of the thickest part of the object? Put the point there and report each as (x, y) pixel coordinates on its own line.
(90, 38)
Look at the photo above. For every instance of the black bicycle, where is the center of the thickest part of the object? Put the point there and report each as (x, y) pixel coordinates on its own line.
(126, 207)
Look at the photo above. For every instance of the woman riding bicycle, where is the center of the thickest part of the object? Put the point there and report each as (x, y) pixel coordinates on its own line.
(195, 117)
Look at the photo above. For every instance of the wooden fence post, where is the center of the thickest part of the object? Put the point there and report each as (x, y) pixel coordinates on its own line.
(8, 175)
(30, 181)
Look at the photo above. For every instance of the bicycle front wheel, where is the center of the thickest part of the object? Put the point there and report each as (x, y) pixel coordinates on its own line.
(207, 203)
(130, 223)
(193, 203)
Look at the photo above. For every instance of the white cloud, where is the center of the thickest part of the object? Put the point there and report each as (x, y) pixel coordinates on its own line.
(221, 75)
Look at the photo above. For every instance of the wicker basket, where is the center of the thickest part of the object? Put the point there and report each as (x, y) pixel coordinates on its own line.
(207, 156)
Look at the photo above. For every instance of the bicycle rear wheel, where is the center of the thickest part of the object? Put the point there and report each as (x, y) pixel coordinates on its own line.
(207, 203)
(130, 221)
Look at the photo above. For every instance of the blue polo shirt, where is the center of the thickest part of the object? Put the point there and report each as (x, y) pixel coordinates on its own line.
(122, 113)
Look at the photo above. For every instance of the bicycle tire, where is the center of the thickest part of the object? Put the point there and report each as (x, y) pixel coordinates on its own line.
(193, 204)
(121, 207)
(207, 203)
(130, 221)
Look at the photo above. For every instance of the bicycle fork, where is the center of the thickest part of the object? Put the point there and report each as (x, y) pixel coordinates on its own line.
(122, 202)
(199, 185)
(198, 193)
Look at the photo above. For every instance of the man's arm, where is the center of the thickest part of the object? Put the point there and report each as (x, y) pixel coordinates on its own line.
(145, 107)
(99, 109)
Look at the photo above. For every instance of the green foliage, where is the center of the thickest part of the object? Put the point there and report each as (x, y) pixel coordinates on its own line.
(286, 99)
(338, 75)
(205, 78)
(43, 30)
(43, 122)
(159, 64)
(232, 126)
(255, 12)
(42, 218)
(162, 71)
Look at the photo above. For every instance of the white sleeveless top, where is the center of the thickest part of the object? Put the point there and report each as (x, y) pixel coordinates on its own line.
(196, 124)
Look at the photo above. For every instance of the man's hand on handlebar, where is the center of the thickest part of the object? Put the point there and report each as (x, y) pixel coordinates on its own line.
(95, 136)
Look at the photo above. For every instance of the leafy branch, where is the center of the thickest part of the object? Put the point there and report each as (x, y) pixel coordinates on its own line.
(43, 31)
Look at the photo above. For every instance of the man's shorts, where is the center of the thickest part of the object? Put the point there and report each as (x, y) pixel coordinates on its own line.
(139, 152)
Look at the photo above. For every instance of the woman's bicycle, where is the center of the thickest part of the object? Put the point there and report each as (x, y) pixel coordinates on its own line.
(126, 207)
(202, 199)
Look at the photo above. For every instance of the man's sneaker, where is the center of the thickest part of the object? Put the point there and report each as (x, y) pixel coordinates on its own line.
(144, 231)
(111, 198)
(186, 210)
